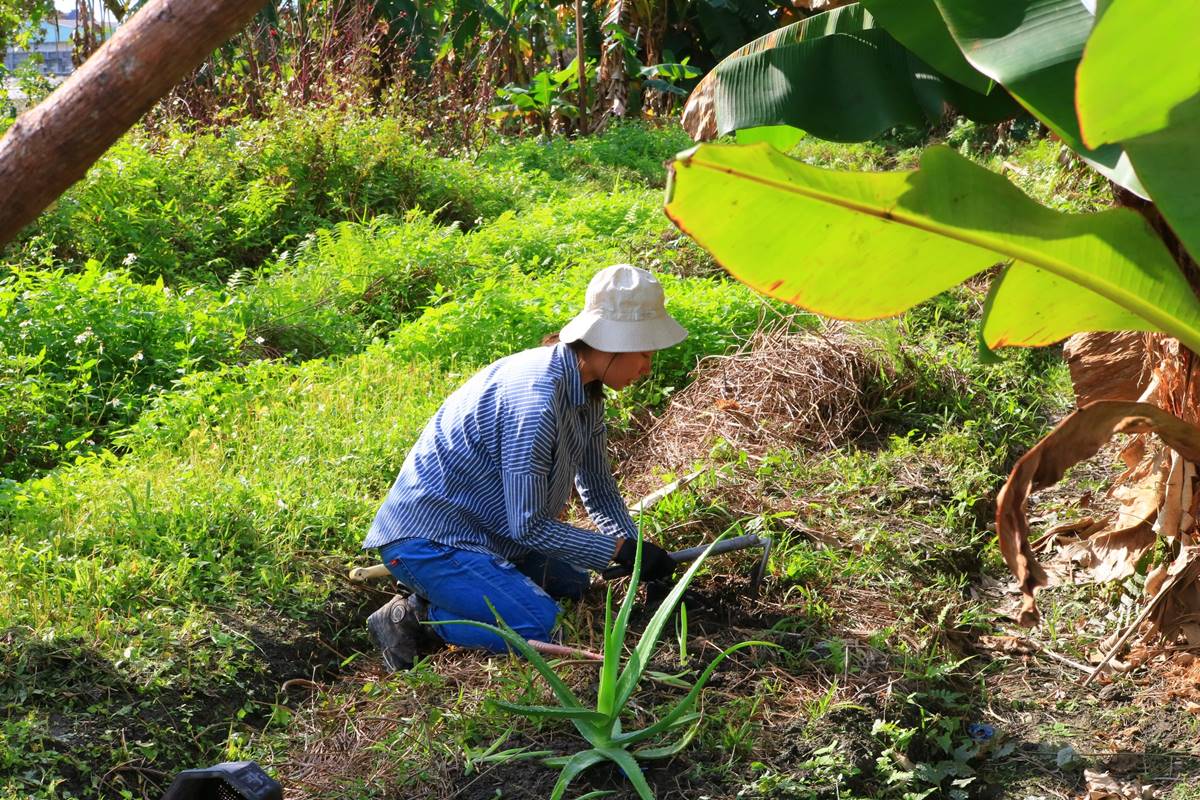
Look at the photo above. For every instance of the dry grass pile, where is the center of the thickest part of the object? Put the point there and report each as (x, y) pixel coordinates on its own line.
(782, 389)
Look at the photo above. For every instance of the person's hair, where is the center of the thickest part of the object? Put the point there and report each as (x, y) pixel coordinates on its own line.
(593, 390)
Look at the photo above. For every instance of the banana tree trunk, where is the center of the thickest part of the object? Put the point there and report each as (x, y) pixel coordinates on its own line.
(612, 85)
(53, 144)
(1159, 492)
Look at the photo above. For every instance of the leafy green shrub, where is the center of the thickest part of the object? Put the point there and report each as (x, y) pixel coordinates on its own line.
(79, 355)
(344, 284)
(215, 500)
(508, 312)
(200, 206)
(629, 150)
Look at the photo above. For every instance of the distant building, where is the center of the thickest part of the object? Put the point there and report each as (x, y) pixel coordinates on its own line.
(54, 44)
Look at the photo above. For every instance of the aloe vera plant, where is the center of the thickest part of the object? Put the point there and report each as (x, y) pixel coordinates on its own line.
(601, 724)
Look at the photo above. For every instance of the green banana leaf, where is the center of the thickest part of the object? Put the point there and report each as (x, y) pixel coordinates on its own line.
(1032, 48)
(1140, 63)
(838, 76)
(918, 25)
(1168, 162)
(868, 245)
(866, 87)
(1139, 84)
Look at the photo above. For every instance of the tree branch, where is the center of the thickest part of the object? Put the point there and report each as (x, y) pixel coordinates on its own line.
(53, 144)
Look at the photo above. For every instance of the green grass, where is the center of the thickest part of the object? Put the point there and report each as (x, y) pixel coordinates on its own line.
(130, 551)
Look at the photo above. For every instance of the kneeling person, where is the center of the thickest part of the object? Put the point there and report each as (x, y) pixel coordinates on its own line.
(473, 515)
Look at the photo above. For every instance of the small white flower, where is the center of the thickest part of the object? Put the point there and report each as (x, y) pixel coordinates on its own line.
(130, 259)
(138, 356)
(259, 340)
(83, 337)
(115, 402)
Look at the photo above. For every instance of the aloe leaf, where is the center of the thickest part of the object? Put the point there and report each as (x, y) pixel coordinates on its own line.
(1032, 48)
(553, 712)
(684, 706)
(667, 751)
(869, 245)
(632, 770)
(575, 765)
(645, 646)
(560, 689)
(665, 679)
(509, 756)
(612, 655)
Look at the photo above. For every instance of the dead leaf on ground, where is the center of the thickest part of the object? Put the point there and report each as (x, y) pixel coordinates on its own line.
(1103, 786)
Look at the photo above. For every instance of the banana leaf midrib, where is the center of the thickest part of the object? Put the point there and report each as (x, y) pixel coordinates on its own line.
(1186, 333)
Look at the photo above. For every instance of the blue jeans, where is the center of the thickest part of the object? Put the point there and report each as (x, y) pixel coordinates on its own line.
(457, 584)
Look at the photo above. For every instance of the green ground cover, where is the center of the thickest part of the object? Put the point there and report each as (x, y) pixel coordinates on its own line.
(161, 462)
(278, 308)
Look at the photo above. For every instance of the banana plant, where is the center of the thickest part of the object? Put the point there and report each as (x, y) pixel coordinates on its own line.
(1117, 81)
(864, 246)
(600, 723)
(840, 76)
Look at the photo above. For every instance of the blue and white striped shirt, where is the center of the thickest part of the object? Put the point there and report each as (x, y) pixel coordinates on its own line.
(492, 470)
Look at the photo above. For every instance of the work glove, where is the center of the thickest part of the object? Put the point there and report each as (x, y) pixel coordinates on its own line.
(656, 562)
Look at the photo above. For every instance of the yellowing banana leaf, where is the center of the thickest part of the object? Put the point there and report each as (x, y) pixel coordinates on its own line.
(1048, 307)
(1032, 48)
(868, 245)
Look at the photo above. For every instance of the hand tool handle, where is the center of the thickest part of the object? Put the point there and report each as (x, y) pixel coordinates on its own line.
(692, 553)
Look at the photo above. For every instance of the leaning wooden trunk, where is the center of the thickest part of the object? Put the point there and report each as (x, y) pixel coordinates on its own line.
(53, 144)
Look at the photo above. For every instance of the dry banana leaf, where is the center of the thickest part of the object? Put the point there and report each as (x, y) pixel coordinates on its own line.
(1078, 437)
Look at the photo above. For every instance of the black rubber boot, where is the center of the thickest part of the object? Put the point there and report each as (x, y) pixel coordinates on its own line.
(397, 631)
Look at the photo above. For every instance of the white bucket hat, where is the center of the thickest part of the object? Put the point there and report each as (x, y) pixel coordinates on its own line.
(624, 313)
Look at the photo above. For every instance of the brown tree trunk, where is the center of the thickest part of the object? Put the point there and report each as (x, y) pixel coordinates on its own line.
(1175, 387)
(53, 144)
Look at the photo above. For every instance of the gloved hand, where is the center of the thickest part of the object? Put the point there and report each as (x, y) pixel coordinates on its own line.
(656, 562)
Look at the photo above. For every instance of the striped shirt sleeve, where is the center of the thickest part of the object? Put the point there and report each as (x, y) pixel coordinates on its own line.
(526, 463)
(597, 487)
